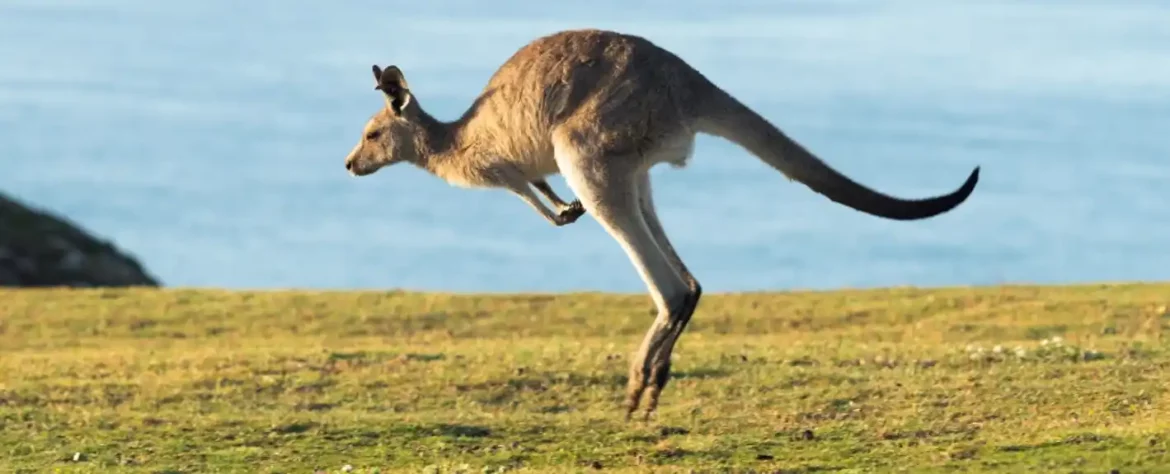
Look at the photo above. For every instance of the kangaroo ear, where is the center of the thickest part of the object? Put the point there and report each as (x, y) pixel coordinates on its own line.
(393, 85)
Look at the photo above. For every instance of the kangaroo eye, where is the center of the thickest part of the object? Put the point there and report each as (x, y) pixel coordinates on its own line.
(373, 134)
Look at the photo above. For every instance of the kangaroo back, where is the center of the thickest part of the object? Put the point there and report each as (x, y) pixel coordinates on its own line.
(725, 116)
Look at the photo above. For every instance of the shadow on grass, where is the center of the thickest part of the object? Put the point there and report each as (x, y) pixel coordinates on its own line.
(506, 391)
(294, 428)
(444, 430)
(543, 381)
(382, 356)
(1090, 441)
(702, 373)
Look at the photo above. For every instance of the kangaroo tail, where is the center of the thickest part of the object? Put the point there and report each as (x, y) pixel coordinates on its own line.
(729, 118)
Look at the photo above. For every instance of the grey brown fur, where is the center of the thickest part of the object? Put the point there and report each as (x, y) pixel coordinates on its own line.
(601, 108)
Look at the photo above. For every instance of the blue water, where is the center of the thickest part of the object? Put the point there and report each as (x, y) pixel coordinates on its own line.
(207, 138)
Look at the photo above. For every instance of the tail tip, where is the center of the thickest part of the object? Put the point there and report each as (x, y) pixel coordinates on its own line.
(972, 180)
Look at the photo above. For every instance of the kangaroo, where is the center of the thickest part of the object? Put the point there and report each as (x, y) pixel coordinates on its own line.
(601, 108)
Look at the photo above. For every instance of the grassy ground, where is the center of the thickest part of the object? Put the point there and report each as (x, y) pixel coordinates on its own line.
(1017, 379)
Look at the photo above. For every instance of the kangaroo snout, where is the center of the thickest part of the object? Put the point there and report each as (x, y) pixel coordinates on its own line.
(360, 167)
(354, 168)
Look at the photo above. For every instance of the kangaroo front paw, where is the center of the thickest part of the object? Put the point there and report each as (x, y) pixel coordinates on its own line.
(571, 213)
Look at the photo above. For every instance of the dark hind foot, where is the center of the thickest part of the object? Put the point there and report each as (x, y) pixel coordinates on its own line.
(634, 390)
(650, 372)
(659, 376)
(647, 384)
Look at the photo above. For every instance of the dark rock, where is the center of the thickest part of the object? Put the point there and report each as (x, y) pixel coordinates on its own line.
(40, 249)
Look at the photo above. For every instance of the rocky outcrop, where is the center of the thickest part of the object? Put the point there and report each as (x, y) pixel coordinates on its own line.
(39, 249)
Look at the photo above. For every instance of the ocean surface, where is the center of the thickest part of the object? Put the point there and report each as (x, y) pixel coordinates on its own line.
(208, 139)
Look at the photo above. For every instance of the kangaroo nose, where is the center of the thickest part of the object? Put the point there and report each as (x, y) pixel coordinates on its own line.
(349, 166)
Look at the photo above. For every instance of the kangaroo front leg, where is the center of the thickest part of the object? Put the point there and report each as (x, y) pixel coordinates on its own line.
(569, 210)
(524, 191)
(542, 186)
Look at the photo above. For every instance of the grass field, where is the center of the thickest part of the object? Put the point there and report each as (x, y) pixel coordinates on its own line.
(1012, 379)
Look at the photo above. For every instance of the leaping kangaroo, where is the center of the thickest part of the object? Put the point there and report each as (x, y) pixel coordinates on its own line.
(601, 108)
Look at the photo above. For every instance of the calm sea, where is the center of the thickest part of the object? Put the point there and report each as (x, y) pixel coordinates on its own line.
(207, 137)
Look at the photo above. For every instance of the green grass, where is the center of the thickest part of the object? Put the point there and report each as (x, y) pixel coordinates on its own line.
(851, 381)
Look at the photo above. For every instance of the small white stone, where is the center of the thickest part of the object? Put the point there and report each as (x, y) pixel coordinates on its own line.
(347, 468)
(997, 349)
(76, 457)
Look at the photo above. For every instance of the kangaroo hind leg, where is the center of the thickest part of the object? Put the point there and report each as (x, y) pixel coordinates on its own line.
(659, 365)
(609, 191)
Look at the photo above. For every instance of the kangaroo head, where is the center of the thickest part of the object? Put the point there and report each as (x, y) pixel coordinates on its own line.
(394, 133)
